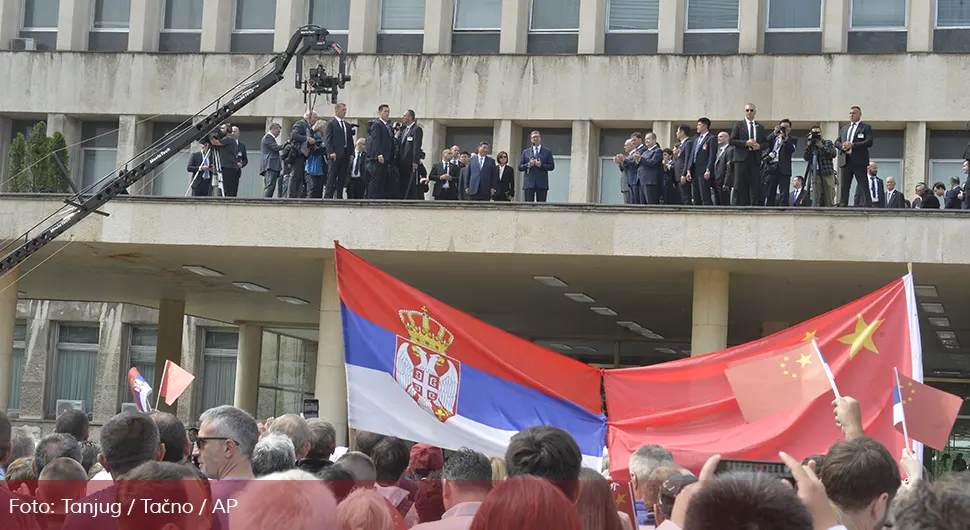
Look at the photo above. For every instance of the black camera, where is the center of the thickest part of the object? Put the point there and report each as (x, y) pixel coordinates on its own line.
(814, 136)
(784, 129)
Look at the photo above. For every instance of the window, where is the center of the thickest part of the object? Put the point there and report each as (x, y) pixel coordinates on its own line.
(478, 15)
(142, 344)
(286, 376)
(632, 15)
(111, 15)
(334, 15)
(172, 179)
(952, 14)
(255, 16)
(402, 16)
(99, 152)
(942, 170)
(219, 368)
(17, 363)
(790, 15)
(705, 15)
(183, 15)
(75, 368)
(610, 192)
(879, 14)
(554, 15)
(41, 14)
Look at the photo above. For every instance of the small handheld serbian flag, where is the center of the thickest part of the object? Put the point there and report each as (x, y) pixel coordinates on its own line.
(140, 390)
(924, 413)
(175, 380)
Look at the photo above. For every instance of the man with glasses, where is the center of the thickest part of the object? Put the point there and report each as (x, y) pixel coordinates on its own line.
(227, 437)
(747, 137)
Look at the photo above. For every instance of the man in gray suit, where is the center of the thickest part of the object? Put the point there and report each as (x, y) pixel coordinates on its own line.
(482, 175)
(269, 164)
(722, 170)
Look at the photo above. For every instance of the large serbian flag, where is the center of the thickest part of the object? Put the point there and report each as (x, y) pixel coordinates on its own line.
(688, 406)
(421, 370)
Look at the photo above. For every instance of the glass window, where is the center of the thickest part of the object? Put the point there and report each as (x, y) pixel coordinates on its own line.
(402, 15)
(334, 15)
(633, 15)
(219, 368)
(183, 15)
(952, 14)
(610, 192)
(713, 14)
(17, 363)
(878, 14)
(97, 164)
(111, 14)
(478, 15)
(559, 180)
(75, 366)
(172, 179)
(942, 170)
(888, 167)
(554, 15)
(794, 14)
(41, 14)
(255, 15)
(142, 345)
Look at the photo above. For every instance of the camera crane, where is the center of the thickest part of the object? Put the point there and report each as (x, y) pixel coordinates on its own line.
(307, 39)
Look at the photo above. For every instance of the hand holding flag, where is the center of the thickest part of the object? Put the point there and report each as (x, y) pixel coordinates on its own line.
(140, 390)
(923, 412)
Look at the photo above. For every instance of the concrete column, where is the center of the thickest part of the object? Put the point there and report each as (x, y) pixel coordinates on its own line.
(71, 129)
(515, 26)
(362, 35)
(666, 133)
(507, 136)
(8, 320)
(10, 20)
(109, 363)
(247, 367)
(771, 327)
(133, 138)
(438, 22)
(584, 162)
(835, 26)
(830, 130)
(433, 145)
(217, 24)
(922, 18)
(670, 35)
(592, 26)
(290, 15)
(752, 27)
(73, 25)
(171, 327)
(709, 321)
(145, 25)
(330, 386)
(192, 339)
(915, 157)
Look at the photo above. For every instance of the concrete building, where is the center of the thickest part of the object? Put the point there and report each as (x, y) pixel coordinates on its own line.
(116, 76)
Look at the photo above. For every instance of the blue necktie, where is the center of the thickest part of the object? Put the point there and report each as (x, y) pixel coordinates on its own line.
(697, 148)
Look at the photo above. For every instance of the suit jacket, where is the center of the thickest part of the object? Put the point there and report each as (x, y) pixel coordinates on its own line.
(631, 169)
(196, 159)
(681, 155)
(536, 177)
(650, 169)
(739, 136)
(336, 141)
(784, 153)
(380, 142)
(802, 200)
(298, 135)
(895, 199)
(440, 192)
(861, 143)
(411, 143)
(269, 152)
(721, 174)
(482, 177)
(506, 183)
(950, 200)
(705, 157)
(880, 192)
(243, 155)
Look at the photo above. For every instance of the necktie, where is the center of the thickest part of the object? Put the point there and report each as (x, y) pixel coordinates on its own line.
(343, 127)
(389, 130)
(697, 148)
(535, 151)
(751, 129)
(795, 200)
(481, 162)
(444, 168)
(873, 187)
(357, 165)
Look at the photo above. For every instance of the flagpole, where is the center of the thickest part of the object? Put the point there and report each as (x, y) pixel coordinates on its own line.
(902, 407)
(828, 370)
(161, 384)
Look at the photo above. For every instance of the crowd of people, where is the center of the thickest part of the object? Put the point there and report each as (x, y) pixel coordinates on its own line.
(147, 471)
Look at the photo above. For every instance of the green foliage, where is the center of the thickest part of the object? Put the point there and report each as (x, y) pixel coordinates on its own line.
(32, 168)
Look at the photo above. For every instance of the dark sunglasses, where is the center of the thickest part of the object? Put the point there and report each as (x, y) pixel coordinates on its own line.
(202, 440)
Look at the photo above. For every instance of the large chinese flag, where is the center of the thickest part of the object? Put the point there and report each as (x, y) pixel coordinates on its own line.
(688, 406)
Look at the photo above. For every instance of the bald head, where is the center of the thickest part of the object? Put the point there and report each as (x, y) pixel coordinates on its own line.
(296, 429)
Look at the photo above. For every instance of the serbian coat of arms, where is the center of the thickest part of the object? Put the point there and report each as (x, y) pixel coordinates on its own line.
(421, 365)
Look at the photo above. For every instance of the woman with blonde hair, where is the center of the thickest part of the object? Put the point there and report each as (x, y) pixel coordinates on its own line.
(498, 469)
(364, 510)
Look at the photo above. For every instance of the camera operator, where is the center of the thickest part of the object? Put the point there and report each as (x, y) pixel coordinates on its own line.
(781, 147)
(820, 155)
(230, 166)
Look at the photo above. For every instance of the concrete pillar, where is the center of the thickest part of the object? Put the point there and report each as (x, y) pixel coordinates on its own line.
(771, 327)
(8, 320)
(73, 25)
(247, 367)
(217, 24)
(584, 160)
(109, 362)
(752, 26)
(670, 35)
(10, 20)
(709, 320)
(145, 25)
(362, 34)
(830, 130)
(507, 136)
(835, 26)
(666, 133)
(71, 129)
(290, 16)
(330, 386)
(133, 138)
(916, 153)
(439, 16)
(515, 26)
(922, 19)
(433, 144)
(592, 26)
(192, 337)
(171, 326)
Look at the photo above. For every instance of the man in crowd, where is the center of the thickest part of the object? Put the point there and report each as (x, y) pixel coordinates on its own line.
(467, 480)
(296, 429)
(270, 165)
(323, 442)
(953, 198)
(853, 143)
(227, 147)
(380, 153)
(747, 138)
(635, 173)
(723, 170)
(700, 164)
(643, 462)
(918, 197)
(242, 158)
(391, 457)
(681, 155)
(337, 138)
(536, 163)
(411, 139)
(22, 445)
(172, 435)
(302, 138)
(624, 177)
(482, 175)
(798, 196)
(202, 167)
(356, 185)
(73, 422)
(820, 155)
(445, 177)
(894, 197)
(649, 163)
(54, 446)
(227, 436)
(273, 453)
(861, 478)
(549, 453)
(876, 191)
(780, 146)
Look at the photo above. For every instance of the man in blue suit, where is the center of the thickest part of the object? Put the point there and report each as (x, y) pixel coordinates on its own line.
(536, 163)
(634, 172)
(482, 175)
(650, 172)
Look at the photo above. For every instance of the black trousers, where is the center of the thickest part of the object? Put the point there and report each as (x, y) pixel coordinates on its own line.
(404, 172)
(355, 188)
(337, 172)
(701, 188)
(378, 180)
(230, 181)
(535, 195)
(314, 186)
(776, 188)
(747, 181)
(862, 185)
(297, 176)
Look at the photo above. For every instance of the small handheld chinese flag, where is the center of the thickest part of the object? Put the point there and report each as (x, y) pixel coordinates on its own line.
(769, 384)
(175, 380)
(929, 413)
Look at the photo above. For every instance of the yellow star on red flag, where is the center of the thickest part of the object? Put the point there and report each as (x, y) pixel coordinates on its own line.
(809, 335)
(861, 337)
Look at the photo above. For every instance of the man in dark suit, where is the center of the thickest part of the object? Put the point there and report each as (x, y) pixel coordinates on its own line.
(380, 153)
(270, 165)
(444, 174)
(301, 135)
(202, 167)
(634, 172)
(650, 170)
(681, 155)
(482, 175)
(798, 196)
(338, 138)
(723, 170)
(781, 146)
(620, 160)
(894, 197)
(700, 164)
(953, 198)
(853, 143)
(243, 156)
(535, 164)
(748, 138)
(411, 139)
(356, 184)
(874, 194)
(227, 151)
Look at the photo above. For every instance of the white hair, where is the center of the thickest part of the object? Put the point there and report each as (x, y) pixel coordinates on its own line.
(294, 500)
(648, 458)
(274, 452)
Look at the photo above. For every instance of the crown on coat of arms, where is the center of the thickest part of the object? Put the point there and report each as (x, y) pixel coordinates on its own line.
(425, 330)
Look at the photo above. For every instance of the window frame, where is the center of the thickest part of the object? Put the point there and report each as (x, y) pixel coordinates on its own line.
(609, 4)
(51, 409)
(769, 29)
(936, 20)
(382, 31)
(271, 31)
(454, 22)
(205, 352)
(332, 31)
(163, 29)
(103, 177)
(115, 30)
(22, 346)
(129, 344)
(32, 29)
(563, 31)
(687, 29)
(904, 27)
